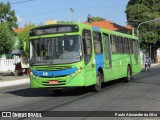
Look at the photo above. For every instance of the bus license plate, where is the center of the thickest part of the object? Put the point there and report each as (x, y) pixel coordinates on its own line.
(53, 82)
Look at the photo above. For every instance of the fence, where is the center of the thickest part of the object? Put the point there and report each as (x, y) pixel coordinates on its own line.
(8, 64)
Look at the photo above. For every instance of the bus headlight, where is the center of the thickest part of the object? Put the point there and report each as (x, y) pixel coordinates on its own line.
(76, 73)
(79, 70)
(34, 76)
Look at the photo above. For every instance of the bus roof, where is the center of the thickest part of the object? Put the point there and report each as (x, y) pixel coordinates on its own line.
(82, 25)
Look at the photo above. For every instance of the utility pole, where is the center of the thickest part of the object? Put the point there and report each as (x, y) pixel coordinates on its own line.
(81, 19)
(150, 53)
(72, 11)
(144, 23)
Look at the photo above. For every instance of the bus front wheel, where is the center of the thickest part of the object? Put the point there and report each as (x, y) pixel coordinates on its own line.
(97, 87)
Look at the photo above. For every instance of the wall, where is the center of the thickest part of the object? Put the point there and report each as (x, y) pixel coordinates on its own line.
(7, 64)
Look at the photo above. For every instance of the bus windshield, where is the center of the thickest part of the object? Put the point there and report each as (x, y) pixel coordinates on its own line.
(56, 50)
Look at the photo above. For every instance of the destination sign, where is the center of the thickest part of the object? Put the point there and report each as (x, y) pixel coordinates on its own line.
(53, 29)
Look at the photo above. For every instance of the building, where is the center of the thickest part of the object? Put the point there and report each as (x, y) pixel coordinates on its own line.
(112, 26)
(18, 30)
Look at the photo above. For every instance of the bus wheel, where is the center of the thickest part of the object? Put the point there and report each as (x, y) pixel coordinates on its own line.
(128, 77)
(98, 85)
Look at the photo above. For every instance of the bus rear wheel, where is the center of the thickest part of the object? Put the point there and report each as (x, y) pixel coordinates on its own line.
(97, 87)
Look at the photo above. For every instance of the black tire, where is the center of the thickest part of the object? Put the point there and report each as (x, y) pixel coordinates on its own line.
(98, 86)
(129, 75)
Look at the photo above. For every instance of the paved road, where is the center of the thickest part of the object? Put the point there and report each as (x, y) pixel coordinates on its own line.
(141, 94)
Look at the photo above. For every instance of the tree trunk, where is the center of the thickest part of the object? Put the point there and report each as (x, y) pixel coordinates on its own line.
(153, 53)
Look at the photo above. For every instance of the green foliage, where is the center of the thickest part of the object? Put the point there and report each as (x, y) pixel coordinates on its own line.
(7, 15)
(7, 23)
(95, 19)
(138, 11)
(6, 39)
(23, 38)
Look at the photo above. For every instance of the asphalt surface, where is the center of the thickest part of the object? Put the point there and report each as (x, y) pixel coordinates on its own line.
(141, 94)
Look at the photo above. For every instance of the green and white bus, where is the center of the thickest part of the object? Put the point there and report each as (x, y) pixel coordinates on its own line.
(80, 55)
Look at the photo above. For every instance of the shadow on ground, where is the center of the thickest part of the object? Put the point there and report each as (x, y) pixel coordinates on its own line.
(33, 92)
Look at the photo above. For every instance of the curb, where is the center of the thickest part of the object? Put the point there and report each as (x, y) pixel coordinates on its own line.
(14, 82)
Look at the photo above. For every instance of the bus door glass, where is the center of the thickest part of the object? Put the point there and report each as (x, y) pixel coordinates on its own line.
(89, 70)
(87, 46)
(108, 58)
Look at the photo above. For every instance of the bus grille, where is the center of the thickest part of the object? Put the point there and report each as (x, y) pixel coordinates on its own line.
(53, 67)
(52, 77)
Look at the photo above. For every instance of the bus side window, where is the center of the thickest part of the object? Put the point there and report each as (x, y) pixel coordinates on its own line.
(130, 46)
(114, 44)
(126, 45)
(97, 42)
(120, 39)
(108, 49)
(87, 45)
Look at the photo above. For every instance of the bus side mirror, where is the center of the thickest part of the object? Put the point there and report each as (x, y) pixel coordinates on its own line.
(80, 55)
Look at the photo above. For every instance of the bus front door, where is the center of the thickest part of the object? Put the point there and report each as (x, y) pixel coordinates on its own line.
(108, 56)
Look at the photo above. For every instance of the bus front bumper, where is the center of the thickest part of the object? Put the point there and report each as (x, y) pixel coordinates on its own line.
(74, 80)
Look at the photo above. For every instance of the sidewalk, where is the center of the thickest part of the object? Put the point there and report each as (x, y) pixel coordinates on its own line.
(6, 79)
(152, 65)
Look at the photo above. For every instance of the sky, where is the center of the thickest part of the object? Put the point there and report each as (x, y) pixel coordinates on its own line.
(38, 11)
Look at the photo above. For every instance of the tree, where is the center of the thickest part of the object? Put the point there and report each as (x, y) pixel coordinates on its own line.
(23, 38)
(95, 19)
(6, 39)
(138, 11)
(7, 23)
(7, 15)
